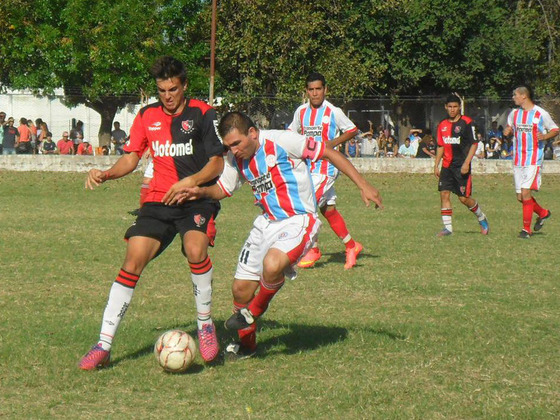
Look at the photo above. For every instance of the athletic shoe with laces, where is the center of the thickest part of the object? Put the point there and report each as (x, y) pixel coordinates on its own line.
(484, 226)
(540, 222)
(208, 342)
(309, 259)
(352, 255)
(239, 320)
(237, 351)
(524, 234)
(444, 232)
(96, 358)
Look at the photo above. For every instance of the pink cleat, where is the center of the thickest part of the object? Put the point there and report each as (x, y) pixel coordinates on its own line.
(352, 255)
(96, 358)
(208, 342)
(309, 259)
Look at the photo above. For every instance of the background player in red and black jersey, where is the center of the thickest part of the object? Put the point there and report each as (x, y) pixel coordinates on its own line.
(456, 145)
(181, 136)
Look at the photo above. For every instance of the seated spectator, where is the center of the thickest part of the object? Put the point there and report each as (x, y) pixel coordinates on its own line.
(352, 148)
(391, 147)
(406, 150)
(415, 138)
(427, 147)
(493, 148)
(84, 148)
(10, 138)
(495, 131)
(506, 149)
(105, 150)
(49, 147)
(65, 145)
(368, 145)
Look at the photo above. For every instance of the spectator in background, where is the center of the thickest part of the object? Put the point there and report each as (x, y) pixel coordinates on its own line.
(2, 124)
(10, 138)
(48, 146)
(65, 145)
(480, 148)
(368, 146)
(43, 131)
(495, 131)
(84, 148)
(506, 150)
(427, 147)
(493, 148)
(406, 150)
(33, 130)
(105, 150)
(118, 138)
(23, 146)
(391, 148)
(352, 148)
(415, 139)
(556, 149)
(78, 129)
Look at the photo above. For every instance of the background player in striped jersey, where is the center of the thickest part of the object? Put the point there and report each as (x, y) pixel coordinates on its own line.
(531, 127)
(182, 138)
(457, 145)
(324, 122)
(273, 162)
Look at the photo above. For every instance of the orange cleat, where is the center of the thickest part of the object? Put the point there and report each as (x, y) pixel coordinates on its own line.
(309, 259)
(352, 255)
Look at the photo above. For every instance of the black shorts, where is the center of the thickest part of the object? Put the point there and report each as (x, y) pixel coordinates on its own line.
(161, 222)
(451, 179)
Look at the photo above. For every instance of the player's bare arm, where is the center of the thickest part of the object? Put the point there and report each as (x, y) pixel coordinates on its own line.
(508, 131)
(547, 136)
(211, 170)
(178, 195)
(367, 191)
(125, 165)
(467, 163)
(439, 156)
(344, 137)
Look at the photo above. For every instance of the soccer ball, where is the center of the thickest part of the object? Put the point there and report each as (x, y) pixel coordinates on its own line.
(175, 350)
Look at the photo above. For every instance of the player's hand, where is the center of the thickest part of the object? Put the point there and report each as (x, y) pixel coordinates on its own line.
(95, 178)
(178, 194)
(465, 169)
(370, 193)
(436, 171)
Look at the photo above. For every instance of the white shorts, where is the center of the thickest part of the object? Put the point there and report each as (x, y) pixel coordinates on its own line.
(527, 177)
(149, 172)
(325, 193)
(293, 236)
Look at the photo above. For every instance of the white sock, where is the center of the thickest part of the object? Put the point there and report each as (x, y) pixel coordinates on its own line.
(201, 275)
(446, 217)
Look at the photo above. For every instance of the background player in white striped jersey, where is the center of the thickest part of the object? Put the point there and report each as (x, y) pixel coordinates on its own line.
(273, 163)
(531, 127)
(324, 122)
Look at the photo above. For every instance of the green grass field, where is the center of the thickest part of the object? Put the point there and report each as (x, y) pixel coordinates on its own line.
(459, 327)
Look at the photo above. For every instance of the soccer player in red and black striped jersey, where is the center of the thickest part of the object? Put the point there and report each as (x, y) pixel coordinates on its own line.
(181, 136)
(457, 145)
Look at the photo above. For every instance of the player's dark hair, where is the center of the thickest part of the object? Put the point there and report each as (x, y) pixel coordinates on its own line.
(525, 90)
(453, 99)
(168, 67)
(314, 77)
(235, 120)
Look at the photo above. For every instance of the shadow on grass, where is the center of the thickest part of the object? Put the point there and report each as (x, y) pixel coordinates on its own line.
(288, 339)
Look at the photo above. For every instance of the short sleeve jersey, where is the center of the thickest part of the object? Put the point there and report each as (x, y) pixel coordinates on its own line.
(322, 124)
(456, 138)
(10, 134)
(181, 145)
(277, 173)
(526, 125)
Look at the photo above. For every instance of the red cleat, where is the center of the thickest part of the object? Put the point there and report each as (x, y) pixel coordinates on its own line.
(309, 259)
(96, 358)
(208, 342)
(352, 255)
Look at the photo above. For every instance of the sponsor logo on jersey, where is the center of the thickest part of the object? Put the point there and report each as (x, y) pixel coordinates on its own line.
(187, 126)
(524, 128)
(199, 220)
(452, 140)
(326, 119)
(262, 184)
(313, 131)
(155, 126)
(443, 128)
(457, 129)
(172, 149)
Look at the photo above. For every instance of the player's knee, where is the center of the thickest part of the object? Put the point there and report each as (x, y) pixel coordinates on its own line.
(274, 267)
(243, 291)
(195, 252)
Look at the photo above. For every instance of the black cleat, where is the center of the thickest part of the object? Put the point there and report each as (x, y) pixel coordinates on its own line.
(237, 351)
(240, 320)
(524, 234)
(540, 222)
(134, 212)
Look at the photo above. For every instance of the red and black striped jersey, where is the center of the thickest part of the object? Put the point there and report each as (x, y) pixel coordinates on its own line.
(181, 144)
(456, 138)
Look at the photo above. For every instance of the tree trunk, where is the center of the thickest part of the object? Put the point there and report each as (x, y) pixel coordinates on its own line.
(107, 109)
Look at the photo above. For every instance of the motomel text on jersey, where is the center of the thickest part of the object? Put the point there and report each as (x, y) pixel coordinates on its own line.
(313, 131)
(452, 140)
(172, 149)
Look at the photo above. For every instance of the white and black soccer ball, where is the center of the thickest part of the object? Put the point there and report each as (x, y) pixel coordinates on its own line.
(175, 350)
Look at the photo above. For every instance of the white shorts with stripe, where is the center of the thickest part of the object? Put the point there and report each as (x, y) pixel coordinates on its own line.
(293, 236)
(527, 177)
(325, 193)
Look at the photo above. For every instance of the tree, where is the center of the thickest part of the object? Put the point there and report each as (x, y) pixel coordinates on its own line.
(99, 52)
